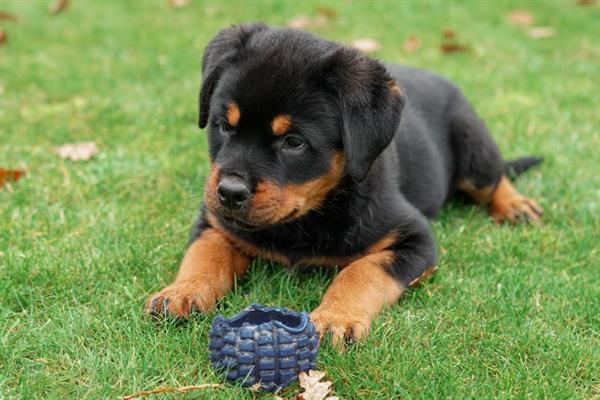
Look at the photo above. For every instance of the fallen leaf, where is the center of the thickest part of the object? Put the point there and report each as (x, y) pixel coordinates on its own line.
(448, 33)
(541, 32)
(183, 389)
(319, 21)
(299, 22)
(4, 16)
(303, 22)
(327, 12)
(412, 44)
(178, 3)
(366, 45)
(453, 48)
(58, 6)
(3, 37)
(77, 151)
(520, 17)
(10, 175)
(586, 2)
(314, 389)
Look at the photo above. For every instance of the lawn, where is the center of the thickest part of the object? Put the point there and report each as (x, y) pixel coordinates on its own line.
(512, 312)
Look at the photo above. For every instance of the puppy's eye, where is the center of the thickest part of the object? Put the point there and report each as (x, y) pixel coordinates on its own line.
(293, 142)
(225, 130)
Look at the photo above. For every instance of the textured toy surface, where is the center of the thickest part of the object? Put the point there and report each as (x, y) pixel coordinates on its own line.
(263, 344)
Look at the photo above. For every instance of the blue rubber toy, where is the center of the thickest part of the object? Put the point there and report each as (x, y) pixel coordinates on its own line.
(267, 345)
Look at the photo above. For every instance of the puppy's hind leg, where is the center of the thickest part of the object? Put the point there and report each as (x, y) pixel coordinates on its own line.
(481, 172)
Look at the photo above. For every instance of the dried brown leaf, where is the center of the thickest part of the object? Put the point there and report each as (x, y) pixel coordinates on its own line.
(520, 17)
(320, 21)
(12, 175)
(299, 22)
(183, 389)
(304, 22)
(178, 3)
(58, 6)
(412, 44)
(4, 16)
(314, 389)
(3, 37)
(584, 3)
(449, 33)
(453, 48)
(77, 151)
(327, 12)
(366, 45)
(541, 32)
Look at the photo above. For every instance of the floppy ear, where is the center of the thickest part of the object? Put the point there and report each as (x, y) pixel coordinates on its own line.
(370, 104)
(222, 51)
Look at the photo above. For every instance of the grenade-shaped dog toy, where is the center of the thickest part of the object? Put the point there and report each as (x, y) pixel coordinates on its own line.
(264, 345)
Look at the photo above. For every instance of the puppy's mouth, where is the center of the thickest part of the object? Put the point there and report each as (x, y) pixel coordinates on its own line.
(239, 224)
(246, 223)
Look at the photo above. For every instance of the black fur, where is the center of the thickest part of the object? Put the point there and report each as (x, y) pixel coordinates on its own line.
(405, 151)
(516, 167)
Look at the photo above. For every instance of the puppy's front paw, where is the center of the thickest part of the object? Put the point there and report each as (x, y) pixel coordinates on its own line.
(179, 299)
(516, 208)
(344, 323)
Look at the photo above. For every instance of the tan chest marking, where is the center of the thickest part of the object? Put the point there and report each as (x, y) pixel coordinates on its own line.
(270, 255)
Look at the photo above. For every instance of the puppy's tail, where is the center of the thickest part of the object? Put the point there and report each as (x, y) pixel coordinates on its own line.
(516, 167)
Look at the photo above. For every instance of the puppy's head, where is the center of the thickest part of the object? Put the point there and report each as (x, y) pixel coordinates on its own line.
(289, 115)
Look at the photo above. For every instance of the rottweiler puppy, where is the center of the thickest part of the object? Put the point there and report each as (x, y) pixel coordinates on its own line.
(321, 155)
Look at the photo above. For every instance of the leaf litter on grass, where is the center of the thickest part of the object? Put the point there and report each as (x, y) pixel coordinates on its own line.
(366, 45)
(449, 43)
(525, 19)
(314, 388)
(4, 16)
(412, 44)
(541, 32)
(449, 33)
(58, 6)
(520, 18)
(178, 3)
(10, 175)
(323, 16)
(82, 151)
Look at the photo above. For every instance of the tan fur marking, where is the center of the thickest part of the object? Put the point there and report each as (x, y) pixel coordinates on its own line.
(358, 293)
(210, 188)
(272, 203)
(509, 205)
(384, 243)
(425, 275)
(233, 114)
(481, 195)
(246, 247)
(206, 274)
(281, 124)
(395, 88)
(257, 252)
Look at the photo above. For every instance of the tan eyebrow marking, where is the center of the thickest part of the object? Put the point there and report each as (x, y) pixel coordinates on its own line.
(394, 88)
(233, 114)
(281, 124)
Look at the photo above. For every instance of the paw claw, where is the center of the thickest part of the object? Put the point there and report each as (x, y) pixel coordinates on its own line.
(153, 307)
(165, 308)
(179, 300)
(343, 325)
(519, 209)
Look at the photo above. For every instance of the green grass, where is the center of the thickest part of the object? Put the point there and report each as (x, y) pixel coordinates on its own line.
(512, 312)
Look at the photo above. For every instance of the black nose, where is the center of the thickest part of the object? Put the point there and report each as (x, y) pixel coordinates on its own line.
(233, 192)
